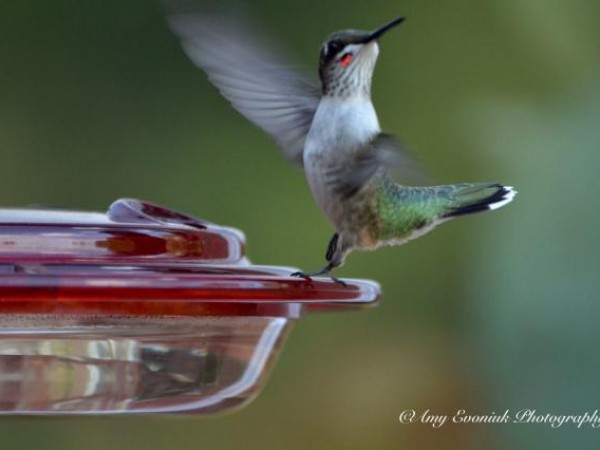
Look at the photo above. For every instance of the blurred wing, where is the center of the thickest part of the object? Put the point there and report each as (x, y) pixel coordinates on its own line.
(248, 74)
(382, 152)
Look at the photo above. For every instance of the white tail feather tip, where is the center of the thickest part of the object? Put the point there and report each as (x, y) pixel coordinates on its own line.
(508, 197)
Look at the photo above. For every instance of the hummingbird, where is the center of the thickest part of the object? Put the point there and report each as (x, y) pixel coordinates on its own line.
(332, 131)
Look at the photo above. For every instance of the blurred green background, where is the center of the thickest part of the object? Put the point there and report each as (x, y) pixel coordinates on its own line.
(497, 311)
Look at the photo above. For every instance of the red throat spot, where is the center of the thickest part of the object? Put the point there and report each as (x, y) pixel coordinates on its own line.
(346, 60)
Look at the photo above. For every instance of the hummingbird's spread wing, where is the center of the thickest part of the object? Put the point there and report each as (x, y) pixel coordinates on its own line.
(382, 152)
(268, 93)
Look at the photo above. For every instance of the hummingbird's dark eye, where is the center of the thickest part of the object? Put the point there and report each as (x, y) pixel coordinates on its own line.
(333, 48)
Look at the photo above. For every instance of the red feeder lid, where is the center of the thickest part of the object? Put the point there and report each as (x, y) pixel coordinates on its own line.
(143, 259)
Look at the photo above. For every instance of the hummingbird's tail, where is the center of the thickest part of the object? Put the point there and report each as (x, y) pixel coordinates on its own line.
(474, 198)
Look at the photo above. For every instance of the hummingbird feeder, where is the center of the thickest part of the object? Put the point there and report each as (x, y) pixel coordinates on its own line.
(142, 310)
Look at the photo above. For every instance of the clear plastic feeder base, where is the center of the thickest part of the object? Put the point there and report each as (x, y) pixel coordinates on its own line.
(96, 364)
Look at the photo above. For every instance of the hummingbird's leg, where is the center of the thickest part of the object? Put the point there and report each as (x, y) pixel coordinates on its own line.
(333, 262)
(324, 271)
(332, 247)
(333, 250)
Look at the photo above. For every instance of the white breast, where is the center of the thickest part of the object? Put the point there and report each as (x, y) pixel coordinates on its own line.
(338, 128)
(339, 124)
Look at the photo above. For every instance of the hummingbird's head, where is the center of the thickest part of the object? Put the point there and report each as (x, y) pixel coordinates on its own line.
(348, 58)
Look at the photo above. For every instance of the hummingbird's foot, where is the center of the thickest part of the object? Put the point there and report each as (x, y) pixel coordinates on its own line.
(324, 271)
(306, 276)
(338, 281)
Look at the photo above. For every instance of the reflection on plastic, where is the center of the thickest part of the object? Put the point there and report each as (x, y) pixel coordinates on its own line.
(134, 365)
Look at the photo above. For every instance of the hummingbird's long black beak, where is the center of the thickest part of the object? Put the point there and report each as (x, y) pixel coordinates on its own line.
(384, 29)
